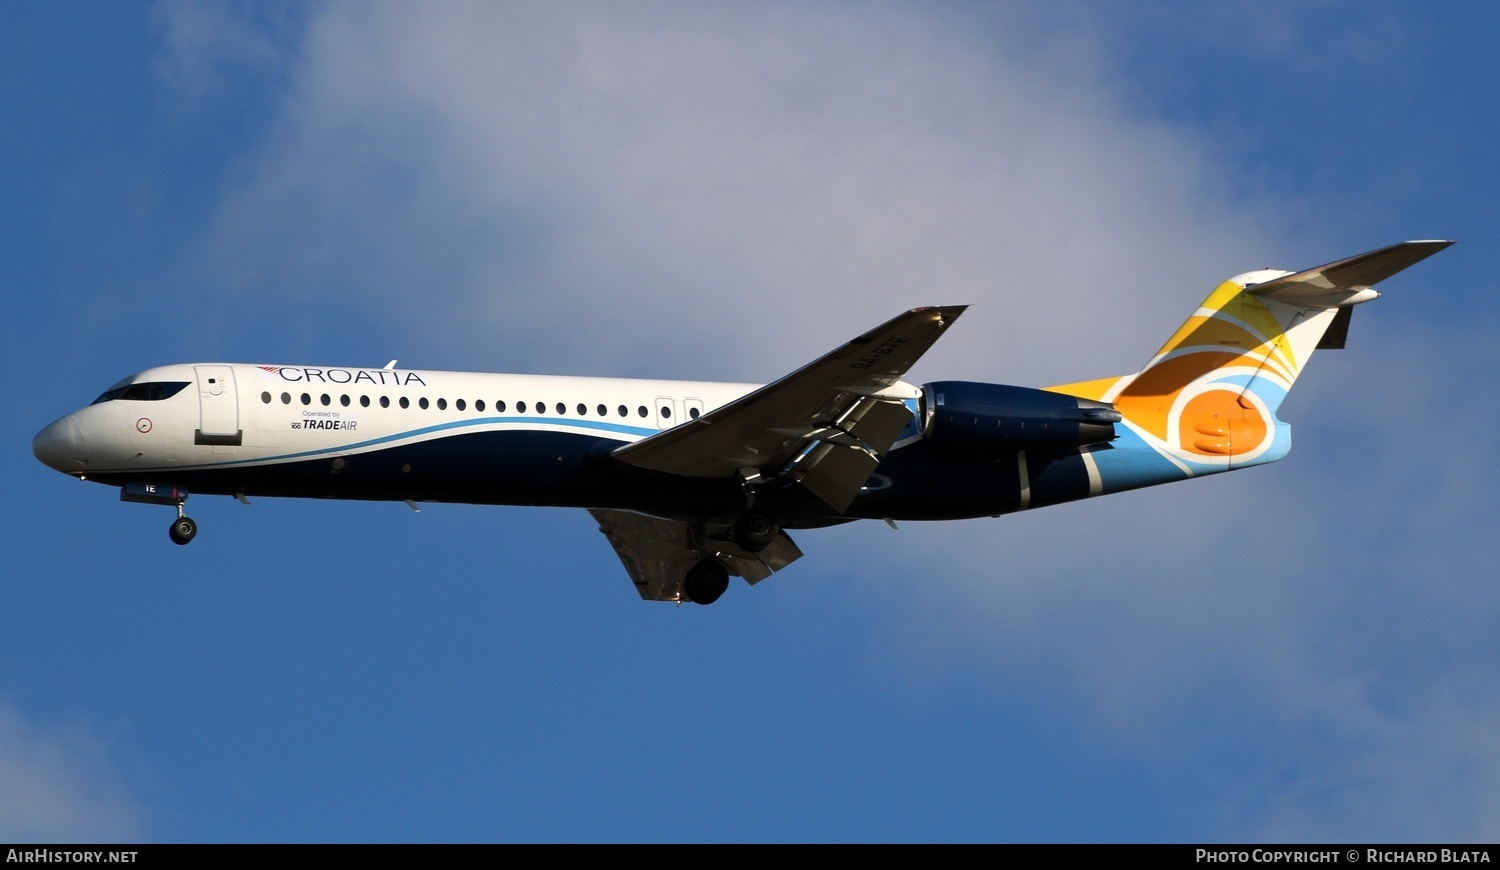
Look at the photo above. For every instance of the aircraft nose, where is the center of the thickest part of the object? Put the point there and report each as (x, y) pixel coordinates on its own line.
(61, 446)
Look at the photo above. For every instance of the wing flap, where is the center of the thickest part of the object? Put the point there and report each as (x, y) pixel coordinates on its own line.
(834, 467)
(654, 551)
(878, 424)
(755, 567)
(657, 553)
(835, 474)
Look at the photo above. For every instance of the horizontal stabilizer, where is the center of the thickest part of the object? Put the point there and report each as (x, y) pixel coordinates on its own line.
(1336, 283)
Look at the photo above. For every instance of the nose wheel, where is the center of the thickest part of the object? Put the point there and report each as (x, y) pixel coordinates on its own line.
(183, 529)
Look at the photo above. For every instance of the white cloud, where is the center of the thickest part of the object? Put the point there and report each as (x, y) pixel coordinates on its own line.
(206, 39)
(725, 189)
(58, 785)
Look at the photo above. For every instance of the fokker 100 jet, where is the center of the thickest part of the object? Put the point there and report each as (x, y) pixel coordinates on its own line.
(695, 482)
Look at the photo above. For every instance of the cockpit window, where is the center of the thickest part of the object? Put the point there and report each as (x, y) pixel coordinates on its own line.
(149, 391)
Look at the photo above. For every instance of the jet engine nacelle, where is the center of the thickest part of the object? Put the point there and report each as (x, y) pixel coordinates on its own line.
(1012, 418)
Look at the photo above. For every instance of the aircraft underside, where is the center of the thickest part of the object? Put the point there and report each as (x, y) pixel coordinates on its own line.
(919, 482)
(731, 528)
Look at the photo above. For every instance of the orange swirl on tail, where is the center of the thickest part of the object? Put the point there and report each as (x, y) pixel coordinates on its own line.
(1221, 423)
(1148, 400)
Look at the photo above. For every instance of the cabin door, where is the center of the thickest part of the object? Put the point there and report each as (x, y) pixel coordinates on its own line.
(218, 406)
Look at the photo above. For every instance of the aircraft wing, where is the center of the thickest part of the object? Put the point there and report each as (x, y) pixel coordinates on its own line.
(824, 425)
(658, 553)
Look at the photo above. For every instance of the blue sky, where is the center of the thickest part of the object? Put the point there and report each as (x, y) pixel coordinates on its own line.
(1301, 652)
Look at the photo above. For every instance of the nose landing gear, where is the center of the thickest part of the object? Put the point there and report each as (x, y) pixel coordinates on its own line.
(183, 529)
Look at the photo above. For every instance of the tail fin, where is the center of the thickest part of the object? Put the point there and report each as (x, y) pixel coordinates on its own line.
(1207, 400)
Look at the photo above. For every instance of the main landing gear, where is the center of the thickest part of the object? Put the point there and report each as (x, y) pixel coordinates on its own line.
(706, 581)
(754, 531)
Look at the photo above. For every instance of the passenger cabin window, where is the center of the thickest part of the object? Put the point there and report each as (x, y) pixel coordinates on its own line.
(422, 403)
(459, 404)
(442, 404)
(385, 401)
(479, 405)
(149, 391)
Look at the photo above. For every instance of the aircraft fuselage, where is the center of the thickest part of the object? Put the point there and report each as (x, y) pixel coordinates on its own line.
(427, 436)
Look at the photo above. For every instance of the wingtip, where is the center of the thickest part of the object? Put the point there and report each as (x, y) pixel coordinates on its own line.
(947, 312)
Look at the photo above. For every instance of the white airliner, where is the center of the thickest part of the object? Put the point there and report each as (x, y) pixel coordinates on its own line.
(693, 482)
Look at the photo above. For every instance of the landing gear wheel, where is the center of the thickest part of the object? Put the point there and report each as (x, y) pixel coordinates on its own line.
(183, 530)
(706, 581)
(755, 530)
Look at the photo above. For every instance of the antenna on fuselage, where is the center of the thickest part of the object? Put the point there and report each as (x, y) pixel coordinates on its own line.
(390, 366)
